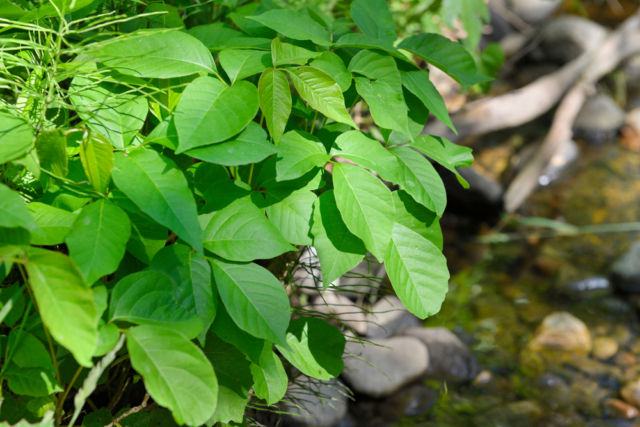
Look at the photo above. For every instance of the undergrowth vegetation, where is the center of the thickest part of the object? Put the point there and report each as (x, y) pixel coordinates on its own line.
(160, 166)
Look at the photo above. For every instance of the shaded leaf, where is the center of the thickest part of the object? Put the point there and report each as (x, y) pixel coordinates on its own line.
(16, 137)
(374, 19)
(269, 377)
(417, 218)
(386, 104)
(294, 25)
(241, 63)
(333, 65)
(446, 153)
(13, 210)
(291, 214)
(418, 83)
(51, 147)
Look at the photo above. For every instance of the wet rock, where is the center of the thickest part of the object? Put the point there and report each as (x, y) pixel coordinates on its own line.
(449, 358)
(413, 400)
(624, 358)
(520, 413)
(631, 69)
(604, 348)
(587, 396)
(388, 317)
(482, 379)
(621, 409)
(591, 287)
(382, 366)
(556, 391)
(599, 119)
(315, 403)
(533, 11)
(562, 331)
(631, 392)
(625, 273)
(342, 309)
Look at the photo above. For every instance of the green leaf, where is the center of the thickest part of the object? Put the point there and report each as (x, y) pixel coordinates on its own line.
(150, 297)
(275, 101)
(374, 19)
(269, 377)
(115, 115)
(386, 104)
(108, 336)
(234, 380)
(366, 206)
(291, 214)
(254, 299)
(160, 190)
(376, 66)
(472, 13)
(191, 273)
(315, 348)
(321, 92)
(419, 178)
(51, 147)
(366, 152)
(294, 25)
(98, 239)
(176, 373)
(285, 54)
(210, 112)
(96, 155)
(220, 36)
(229, 332)
(158, 54)
(35, 382)
(417, 218)
(338, 250)
(418, 83)
(298, 153)
(417, 270)
(333, 65)
(16, 137)
(250, 146)
(449, 56)
(241, 232)
(446, 153)
(363, 41)
(28, 351)
(13, 211)
(147, 237)
(65, 303)
(241, 63)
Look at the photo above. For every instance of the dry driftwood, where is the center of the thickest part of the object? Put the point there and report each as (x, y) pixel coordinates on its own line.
(620, 44)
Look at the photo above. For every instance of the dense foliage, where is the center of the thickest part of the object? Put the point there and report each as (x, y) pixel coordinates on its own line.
(157, 172)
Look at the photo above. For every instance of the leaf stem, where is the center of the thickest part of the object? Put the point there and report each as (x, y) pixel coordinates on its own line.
(65, 394)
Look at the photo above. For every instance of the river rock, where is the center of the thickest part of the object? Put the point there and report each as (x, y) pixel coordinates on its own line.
(631, 392)
(621, 409)
(599, 119)
(342, 309)
(314, 403)
(388, 317)
(625, 272)
(449, 358)
(562, 331)
(533, 11)
(382, 366)
(604, 348)
(590, 287)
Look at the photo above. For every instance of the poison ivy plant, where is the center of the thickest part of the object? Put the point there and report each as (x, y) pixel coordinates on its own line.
(161, 165)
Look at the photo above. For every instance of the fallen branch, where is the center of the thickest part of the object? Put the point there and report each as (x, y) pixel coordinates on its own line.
(620, 44)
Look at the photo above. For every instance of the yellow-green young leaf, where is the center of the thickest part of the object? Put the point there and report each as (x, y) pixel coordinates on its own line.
(446, 153)
(241, 232)
(338, 249)
(151, 297)
(374, 19)
(417, 270)
(51, 147)
(234, 379)
(210, 111)
(254, 298)
(333, 65)
(419, 178)
(269, 377)
(449, 56)
(155, 184)
(366, 206)
(158, 54)
(108, 110)
(96, 155)
(418, 83)
(294, 25)
(175, 371)
(305, 353)
(285, 53)
(298, 153)
(322, 93)
(16, 137)
(65, 303)
(13, 211)
(241, 63)
(386, 104)
(98, 239)
(275, 101)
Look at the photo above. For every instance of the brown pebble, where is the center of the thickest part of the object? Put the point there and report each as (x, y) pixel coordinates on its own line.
(604, 347)
(621, 409)
(624, 358)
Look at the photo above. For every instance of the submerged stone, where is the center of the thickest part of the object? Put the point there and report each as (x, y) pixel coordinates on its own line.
(564, 332)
